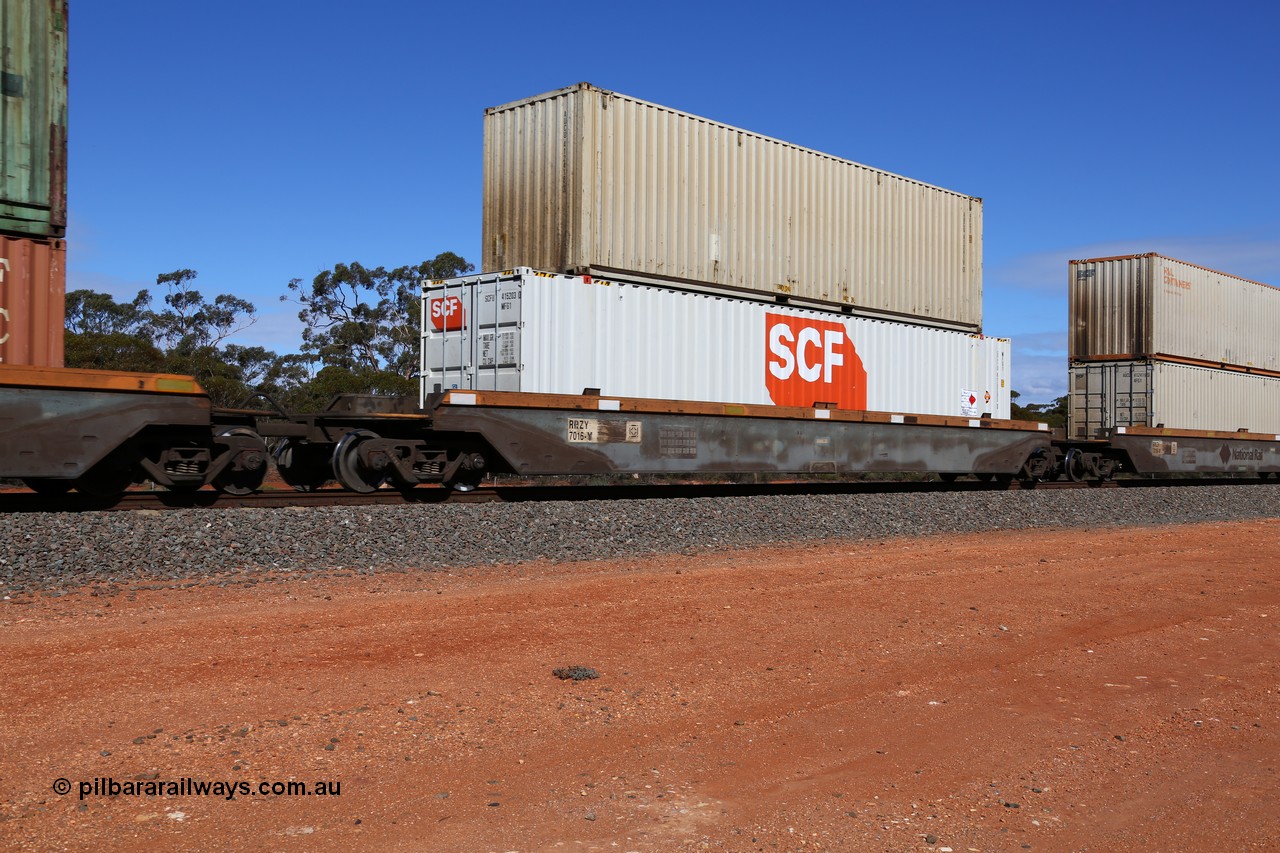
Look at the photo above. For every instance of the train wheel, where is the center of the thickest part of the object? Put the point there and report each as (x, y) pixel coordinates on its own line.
(1074, 466)
(246, 472)
(351, 472)
(301, 467)
(469, 472)
(1037, 467)
(47, 486)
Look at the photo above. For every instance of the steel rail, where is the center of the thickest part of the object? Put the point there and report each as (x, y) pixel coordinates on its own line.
(23, 501)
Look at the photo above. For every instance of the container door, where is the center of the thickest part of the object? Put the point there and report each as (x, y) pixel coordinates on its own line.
(496, 319)
(1131, 394)
(446, 344)
(1088, 408)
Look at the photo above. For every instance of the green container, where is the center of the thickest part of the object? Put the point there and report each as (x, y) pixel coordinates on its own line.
(33, 117)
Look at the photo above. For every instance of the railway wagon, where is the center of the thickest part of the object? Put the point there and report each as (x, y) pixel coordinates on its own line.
(99, 431)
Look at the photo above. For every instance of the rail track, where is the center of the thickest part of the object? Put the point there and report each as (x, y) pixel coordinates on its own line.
(23, 501)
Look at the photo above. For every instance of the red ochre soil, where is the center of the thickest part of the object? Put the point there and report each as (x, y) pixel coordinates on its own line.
(1085, 690)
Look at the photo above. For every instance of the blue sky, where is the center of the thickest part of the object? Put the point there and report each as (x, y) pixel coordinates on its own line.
(257, 142)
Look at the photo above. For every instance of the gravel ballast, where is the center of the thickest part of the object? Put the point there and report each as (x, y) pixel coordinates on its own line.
(121, 550)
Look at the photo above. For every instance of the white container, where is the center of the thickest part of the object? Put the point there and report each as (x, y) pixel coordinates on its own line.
(1105, 395)
(1148, 306)
(588, 181)
(561, 334)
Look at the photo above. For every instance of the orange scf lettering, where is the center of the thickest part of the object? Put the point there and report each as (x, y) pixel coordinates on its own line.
(1174, 281)
(809, 361)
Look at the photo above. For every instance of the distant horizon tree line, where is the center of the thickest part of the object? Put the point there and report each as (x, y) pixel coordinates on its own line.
(360, 333)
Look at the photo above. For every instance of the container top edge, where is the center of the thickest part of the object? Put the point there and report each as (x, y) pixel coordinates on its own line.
(546, 96)
(1175, 260)
(430, 287)
(588, 87)
(1114, 258)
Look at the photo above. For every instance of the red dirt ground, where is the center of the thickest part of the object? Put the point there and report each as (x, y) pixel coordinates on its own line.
(1092, 690)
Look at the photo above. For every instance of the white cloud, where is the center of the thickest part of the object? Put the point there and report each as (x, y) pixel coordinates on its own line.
(1039, 378)
(1041, 343)
(1252, 254)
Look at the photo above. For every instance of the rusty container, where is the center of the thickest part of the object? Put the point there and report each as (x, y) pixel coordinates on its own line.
(1152, 307)
(33, 281)
(588, 181)
(33, 117)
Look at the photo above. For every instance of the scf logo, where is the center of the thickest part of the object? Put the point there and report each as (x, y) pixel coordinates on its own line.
(812, 361)
(447, 314)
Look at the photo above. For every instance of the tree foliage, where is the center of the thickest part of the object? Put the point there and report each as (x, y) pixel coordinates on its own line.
(92, 313)
(113, 351)
(184, 336)
(365, 321)
(189, 322)
(1054, 414)
(360, 335)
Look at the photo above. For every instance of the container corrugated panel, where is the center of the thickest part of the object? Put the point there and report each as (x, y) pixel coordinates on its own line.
(585, 180)
(33, 117)
(32, 301)
(1149, 306)
(1105, 395)
(560, 334)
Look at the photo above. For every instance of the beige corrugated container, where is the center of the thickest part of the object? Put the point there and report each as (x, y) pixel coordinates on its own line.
(1149, 306)
(589, 181)
(33, 280)
(1105, 395)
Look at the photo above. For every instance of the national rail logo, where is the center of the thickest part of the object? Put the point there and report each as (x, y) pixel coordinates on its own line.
(810, 361)
(447, 314)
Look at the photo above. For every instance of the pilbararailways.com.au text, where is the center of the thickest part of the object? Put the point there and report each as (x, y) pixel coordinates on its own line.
(188, 787)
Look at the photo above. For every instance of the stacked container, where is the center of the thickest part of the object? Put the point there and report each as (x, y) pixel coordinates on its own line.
(33, 180)
(587, 181)
(539, 332)
(1159, 341)
(32, 300)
